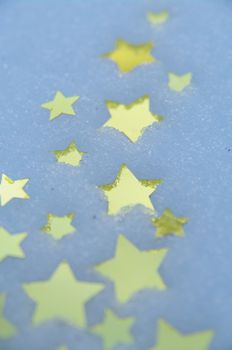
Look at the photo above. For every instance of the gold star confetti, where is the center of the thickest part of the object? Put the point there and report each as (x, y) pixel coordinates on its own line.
(131, 119)
(62, 297)
(60, 105)
(128, 56)
(70, 155)
(179, 82)
(169, 338)
(62, 347)
(127, 191)
(168, 224)
(10, 244)
(59, 226)
(157, 17)
(10, 189)
(7, 330)
(132, 270)
(114, 330)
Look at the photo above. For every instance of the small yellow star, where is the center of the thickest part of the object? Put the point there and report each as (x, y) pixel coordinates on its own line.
(127, 191)
(10, 244)
(169, 338)
(131, 119)
(60, 105)
(157, 17)
(62, 297)
(10, 189)
(179, 82)
(62, 347)
(168, 224)
(6, 328)
(59, 226)
(128, 56)
(132, 270)
(70, 155)
(114, 330)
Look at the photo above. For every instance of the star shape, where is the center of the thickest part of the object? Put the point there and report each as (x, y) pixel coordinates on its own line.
(6, 328)
(60, 105)
(133, 270)
(157, 17)
(10, 244)
(62, 347)
(62, 297)
(131, 119)
(114, 330)
(179, 82)
(128, 56)
(59, 226)
(127, 191)
(10, 189)
(168, 224)
(70, 155)
(169, 338)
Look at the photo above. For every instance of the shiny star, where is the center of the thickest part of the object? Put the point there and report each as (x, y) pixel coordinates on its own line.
(169, 338)
(6, 328)
(168, 224)
(128, 56)
(131, 119)
(60, 105)
(59, 226)
(10, 189)
(10, 244)
(62, 297)
(70, 155)
(114, 330)
(179, 82)
(157, 17)
(127, 191)
(133, 270)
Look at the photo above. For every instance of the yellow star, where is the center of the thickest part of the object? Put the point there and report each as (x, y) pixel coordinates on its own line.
(62, 347)
(62, 297)
(127, 191)
(169, 338)
(128, 56)
(114, 330)
(132, 270)
(168, 224)
(179, 82)
(157, 17)
(59, 226)
(6, 328)
(70, 155)
(10, 244)
(131, 119)
(60, 105)
(10, 189)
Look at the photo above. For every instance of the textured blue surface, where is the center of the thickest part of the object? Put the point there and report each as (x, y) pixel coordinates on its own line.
(50, 45)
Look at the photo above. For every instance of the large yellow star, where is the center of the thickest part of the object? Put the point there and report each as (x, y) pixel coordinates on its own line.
(128, 56)
(59, 226)
(10, 189)
(179, 82)
(70, 155)
(169, 338)
(6, 328)
(10, 244)
(131, 119)
(62, 297)
(114, 330)
(132, 270)
(168, 224)
(127, 191)
(60, 105)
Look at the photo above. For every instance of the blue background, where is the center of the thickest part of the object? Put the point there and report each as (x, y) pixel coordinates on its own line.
(51, 45)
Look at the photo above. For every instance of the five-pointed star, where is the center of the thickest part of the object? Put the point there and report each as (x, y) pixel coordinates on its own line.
(168, 224)
(10, 244)
(70, 155)
(6, 328)
(179, 82)
(127, 191)
(169, 338)
(10, 189)
(60, 105)
(128, 56)
(132, 270)
(131, 119)
(59, 226)
(62, 297)
(114, 330)
(157, 17)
